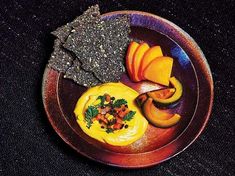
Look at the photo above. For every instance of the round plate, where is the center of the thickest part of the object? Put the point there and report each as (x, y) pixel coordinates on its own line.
(157, 145)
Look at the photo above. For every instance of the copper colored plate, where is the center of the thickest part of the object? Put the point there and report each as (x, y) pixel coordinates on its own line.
(157, 145)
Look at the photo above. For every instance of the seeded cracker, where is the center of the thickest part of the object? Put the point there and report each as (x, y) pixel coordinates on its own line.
(118, 27)
(61, 60)
(80, 76)
(62, 32)
(100, 46)
(105, 42)
(92, 13)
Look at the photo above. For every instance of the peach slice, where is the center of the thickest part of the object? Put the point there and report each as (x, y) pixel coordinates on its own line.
(159, 70)
(129, 57)
(151, 54)
(139, 53)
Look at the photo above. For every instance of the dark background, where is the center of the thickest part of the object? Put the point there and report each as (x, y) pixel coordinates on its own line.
(28, 144)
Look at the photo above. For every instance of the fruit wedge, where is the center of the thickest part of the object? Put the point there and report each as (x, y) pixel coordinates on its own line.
(160, 94)
(163, 93)
(138, 55)
(158, 117)
(171, 100)
(148, 57)
(129, 57)
(159, 70)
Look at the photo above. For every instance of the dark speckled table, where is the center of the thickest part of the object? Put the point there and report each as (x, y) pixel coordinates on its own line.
(28, 144)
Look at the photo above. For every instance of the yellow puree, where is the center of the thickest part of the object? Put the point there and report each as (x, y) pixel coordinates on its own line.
(136, 127)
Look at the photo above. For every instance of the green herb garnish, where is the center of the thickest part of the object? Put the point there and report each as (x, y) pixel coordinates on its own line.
(90, 113)
(129, 116)
(119, 102)
(102, 100)
(109, 130)
(89, 122)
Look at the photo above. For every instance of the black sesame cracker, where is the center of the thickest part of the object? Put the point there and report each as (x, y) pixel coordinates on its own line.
(98, 38)
(92, 13)
(101, 46)
(63, 61)
(81, 76)
(60, 60)
(62, 32)
(119, 27)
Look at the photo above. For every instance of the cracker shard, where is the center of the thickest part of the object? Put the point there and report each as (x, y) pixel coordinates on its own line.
(101, 47)
(89, 16)
(60, 60)
(80, 76)
(90, 50)
(63, 61)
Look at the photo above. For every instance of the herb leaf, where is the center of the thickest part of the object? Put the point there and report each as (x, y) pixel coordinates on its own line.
(109, 130)
(102, 99)
(90, 113)
(129, 116)
(119, 102)
(89, 122)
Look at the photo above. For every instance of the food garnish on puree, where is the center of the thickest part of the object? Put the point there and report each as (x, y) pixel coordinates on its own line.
(108, 113)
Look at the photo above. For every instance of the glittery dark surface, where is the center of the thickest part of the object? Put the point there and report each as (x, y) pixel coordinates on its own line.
(29, 145)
